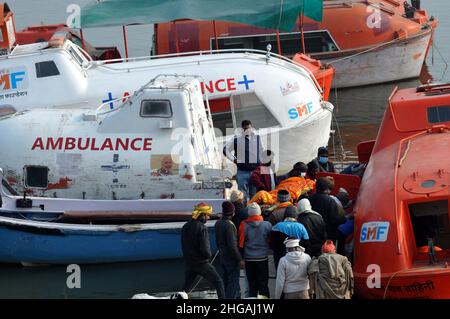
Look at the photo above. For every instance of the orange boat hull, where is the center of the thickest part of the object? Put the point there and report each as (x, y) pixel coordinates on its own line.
(346, 31)
(432, 285)
(403, 202)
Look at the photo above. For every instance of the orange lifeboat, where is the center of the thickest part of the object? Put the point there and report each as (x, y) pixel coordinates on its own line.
(402, 223)
(44, 33)
(7, 29)
(361, 40)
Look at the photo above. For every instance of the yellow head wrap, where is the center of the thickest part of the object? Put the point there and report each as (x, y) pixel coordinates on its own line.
(201, 208)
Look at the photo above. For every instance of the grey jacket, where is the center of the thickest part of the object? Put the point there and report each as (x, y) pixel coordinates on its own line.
(256, 240)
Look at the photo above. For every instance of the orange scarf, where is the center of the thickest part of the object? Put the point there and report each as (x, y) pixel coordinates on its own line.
(257, 218)
(285, 204)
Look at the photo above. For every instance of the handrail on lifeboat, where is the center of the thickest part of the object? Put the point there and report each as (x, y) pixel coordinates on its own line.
(399, 160)
(210, 52)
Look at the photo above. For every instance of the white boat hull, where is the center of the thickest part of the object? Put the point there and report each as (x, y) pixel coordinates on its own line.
(398, 60)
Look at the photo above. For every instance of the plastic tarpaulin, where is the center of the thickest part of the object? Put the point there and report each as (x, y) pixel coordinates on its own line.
(271, 14)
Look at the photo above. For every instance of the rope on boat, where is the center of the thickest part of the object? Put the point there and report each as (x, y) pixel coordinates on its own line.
(211, 262)
(443, 60)
(338, 130)
(364, 51)
(395, 274)
(389, 281)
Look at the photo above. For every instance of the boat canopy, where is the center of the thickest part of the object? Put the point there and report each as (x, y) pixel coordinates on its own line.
(280, 15)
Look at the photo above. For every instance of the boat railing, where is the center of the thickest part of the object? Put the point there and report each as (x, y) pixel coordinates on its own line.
(267, 55)
(152, 85)
(98, 110)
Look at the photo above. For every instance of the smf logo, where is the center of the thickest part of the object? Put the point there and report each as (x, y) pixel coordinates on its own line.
(374, 232)
(13, 79)
(300, 110)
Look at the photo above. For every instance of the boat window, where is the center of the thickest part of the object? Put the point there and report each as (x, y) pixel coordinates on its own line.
(431, 220)
(46, 68)
(249, 107)
(438, 114)
(291, 43)
(36, 176)
(156, 108)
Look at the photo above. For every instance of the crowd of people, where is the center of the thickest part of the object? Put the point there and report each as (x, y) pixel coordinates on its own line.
(305, 231)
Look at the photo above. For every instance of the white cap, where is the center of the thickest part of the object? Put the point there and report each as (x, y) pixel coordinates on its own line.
(291, 243)
(304, 205)
(253, 209)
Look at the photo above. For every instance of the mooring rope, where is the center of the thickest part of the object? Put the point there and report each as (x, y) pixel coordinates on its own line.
(211, 262)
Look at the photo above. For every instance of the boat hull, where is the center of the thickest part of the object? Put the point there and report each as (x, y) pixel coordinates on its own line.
(398, 60)
(434, 284)
(304, 140)
(31, 243)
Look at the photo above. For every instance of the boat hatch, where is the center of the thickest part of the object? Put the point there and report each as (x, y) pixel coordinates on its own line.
(433, 89)
(315, 42)
(36, 176)
(230, 112)
(431, 220)
(46, 68)
(73, 51)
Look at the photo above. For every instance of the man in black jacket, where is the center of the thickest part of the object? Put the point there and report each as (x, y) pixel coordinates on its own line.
(327, 207)
(230, 257)
(197, 251)
(315, 226)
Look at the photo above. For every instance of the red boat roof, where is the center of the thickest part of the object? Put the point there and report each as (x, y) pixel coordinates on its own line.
(412, 108)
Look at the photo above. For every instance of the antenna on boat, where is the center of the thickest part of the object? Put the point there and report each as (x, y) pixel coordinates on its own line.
(268, 48)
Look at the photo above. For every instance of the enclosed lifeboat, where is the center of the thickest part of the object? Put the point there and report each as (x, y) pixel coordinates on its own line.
(43, 33)
(402, 229)
(366, 42)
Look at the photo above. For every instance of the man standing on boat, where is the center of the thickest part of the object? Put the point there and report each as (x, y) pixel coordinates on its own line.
(197, 251)
(245, 151)
(322, 161)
